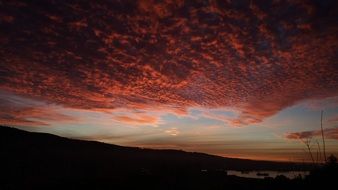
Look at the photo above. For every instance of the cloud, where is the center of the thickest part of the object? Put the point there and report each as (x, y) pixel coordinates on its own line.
(330, 133)
(258, 57)
(137, 119)
(219, 115)
(31, 116)
(333, 119)
(317, 105)
(172, 131)
(16, 111)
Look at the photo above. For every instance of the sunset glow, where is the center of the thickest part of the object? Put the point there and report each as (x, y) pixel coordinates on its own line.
(245, 79)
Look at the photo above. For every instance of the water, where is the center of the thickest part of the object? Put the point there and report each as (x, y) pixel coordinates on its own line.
(263, 174)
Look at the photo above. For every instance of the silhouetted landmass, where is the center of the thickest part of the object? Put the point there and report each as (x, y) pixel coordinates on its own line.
(37, 161)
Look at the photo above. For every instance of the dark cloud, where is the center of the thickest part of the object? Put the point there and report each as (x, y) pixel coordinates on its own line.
(257, 56)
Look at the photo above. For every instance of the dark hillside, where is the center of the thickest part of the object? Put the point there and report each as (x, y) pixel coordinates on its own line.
(45, 160)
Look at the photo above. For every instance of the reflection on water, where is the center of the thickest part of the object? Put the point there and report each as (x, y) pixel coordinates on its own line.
(263, 174)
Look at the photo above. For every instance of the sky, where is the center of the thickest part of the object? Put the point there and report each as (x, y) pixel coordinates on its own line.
(235, 78)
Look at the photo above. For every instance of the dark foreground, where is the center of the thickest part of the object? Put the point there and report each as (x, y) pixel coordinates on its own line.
(43, 161)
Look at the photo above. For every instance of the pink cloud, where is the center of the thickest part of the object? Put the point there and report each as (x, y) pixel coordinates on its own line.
(170, 54)
(138, 119)
(16, 111)
(333, 119)
(330, 133)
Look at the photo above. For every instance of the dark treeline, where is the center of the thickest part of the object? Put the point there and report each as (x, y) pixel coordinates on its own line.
(43, 161)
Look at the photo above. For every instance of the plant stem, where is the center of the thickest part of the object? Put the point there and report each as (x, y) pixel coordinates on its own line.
(321, 126)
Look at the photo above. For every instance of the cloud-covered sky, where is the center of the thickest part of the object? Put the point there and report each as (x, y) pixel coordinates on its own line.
(152, 72)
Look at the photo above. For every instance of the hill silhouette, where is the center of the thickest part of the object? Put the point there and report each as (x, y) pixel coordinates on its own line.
(38, 160)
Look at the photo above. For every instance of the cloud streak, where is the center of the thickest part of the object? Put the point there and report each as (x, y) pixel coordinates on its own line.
(137, 119)
(258, 57)
(17, 111)
(330, 133)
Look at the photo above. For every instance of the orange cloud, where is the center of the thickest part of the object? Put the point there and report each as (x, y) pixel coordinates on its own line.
(256, 57)
(137, 119)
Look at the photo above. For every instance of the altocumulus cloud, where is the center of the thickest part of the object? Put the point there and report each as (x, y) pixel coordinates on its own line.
(256, 56)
